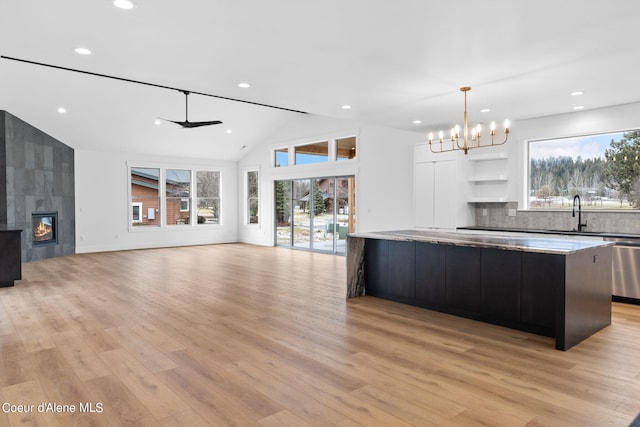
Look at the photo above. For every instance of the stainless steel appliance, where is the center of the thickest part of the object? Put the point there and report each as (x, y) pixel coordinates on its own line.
(626, 267)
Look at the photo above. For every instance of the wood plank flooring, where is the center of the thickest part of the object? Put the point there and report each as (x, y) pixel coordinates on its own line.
(256, 336)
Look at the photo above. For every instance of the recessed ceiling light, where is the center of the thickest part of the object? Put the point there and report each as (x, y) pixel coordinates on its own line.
(157, 122)
(577, 93)
(244, 85)
(417, 122)
(82, 51)
(578, 107)
(485, 110)
(62, 110)
(123, 4)
(229, 131)
(346, 107)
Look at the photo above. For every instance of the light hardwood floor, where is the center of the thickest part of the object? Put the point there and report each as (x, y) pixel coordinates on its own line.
(247, 335)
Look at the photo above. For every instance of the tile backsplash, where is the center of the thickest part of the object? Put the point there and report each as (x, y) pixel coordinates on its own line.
(501, 215)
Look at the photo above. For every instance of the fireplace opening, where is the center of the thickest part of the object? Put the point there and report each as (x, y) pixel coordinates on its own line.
(45, 228)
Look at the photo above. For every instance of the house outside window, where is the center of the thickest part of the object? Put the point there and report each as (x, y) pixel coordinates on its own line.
(165, 197)
(177, 191)
(145, 197)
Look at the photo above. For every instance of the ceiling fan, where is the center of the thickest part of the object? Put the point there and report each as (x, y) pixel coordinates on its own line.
(186, 123)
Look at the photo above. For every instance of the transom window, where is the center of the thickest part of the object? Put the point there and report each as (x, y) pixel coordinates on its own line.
(322, 151)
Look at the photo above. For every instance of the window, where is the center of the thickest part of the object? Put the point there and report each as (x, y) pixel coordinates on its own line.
(281, 157)
(208, 199)
(346, 148)
(312, 153)
(172, 189)
(145, 196)
(252, 197)
(136, 212)
(323, 151)
(177, 190)
(603, 169)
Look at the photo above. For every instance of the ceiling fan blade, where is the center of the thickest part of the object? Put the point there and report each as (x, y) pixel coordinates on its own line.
(188, 124)
(199, 124)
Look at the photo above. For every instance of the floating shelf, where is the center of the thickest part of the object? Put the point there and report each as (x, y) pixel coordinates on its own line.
(488, 178)
(486, 157)
(488, 200)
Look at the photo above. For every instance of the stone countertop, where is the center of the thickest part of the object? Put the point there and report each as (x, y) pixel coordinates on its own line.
(602, 234)
(525, 244)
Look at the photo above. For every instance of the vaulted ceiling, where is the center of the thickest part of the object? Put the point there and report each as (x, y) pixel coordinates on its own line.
(393, 62)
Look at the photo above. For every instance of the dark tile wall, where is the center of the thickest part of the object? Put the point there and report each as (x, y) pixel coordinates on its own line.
(39, 177)
(3, 177)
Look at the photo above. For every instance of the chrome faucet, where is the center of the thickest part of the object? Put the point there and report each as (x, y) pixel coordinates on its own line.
(573, 213)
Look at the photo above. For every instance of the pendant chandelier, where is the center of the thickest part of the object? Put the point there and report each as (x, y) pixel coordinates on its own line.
(468, 140)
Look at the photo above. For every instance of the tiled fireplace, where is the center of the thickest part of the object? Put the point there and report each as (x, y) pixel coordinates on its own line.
(37, 192)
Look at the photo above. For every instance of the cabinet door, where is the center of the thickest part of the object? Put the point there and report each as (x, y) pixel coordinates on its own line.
(402, 264)
(376, 267)
(424, 194)
(541, 275)
(444, 194)
(463, 280)
(501, 276)
(430, 275)
(435, 194)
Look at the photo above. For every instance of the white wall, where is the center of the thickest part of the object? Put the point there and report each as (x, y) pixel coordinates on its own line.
(383, 168)
(102, 205)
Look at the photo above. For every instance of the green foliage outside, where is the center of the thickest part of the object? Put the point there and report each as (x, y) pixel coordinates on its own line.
(623, 168)
(318, 200)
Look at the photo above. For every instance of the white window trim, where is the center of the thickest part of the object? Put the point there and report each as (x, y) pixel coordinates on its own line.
(163, 226)
(332, 149)
(245, 203)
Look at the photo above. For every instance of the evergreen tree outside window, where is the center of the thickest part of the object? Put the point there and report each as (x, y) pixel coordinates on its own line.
(603, 169)
(253, 202)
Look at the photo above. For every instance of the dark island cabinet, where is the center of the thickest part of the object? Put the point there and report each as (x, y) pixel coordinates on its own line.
(508, 288)
(376, 261)
(462, 283)
(500, 283)
(430, 275)
(402, 267)
(541, 274)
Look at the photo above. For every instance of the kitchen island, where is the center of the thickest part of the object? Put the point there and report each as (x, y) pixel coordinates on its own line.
(559, 288)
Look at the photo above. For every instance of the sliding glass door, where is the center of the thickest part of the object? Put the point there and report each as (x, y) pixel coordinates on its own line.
(315, 213)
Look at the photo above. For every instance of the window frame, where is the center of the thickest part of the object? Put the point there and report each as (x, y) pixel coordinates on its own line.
(162, 197)
(569, 138)
(332, 150)
(247, 196)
